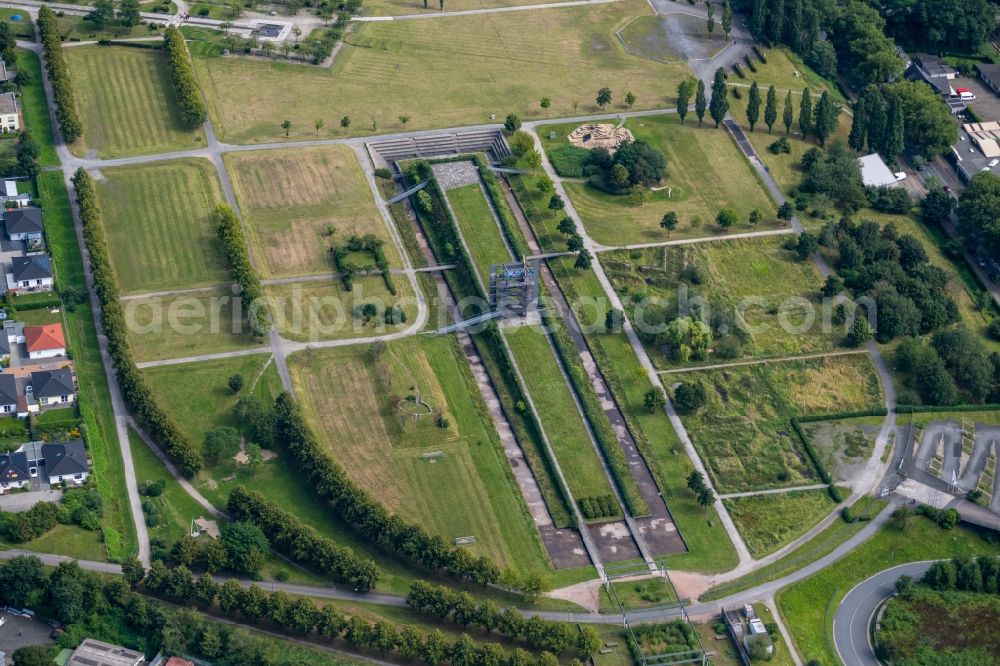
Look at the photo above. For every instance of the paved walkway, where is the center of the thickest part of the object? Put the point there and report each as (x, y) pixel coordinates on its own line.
(762, 361)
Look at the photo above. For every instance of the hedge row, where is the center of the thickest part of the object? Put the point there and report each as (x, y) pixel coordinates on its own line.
(931, 409)
(599, 506)
(193, 112)
(300, 542)
(442, 231)
(811, 452)
(369, 518)
(62, 85)
(598, 419)
(241, 268)
(559, 638)
(837, 416)
(137, 395)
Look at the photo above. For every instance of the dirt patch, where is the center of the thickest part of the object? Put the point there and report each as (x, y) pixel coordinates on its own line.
(586, 594)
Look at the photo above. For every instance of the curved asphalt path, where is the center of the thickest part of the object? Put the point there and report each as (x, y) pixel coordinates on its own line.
(853, 619)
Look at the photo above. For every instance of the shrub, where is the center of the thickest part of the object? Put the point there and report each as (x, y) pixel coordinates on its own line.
(781, 146)
(383, 173)
(193, 112)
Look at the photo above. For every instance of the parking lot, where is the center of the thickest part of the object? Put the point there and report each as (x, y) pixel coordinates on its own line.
(987, 104)
(19, 631)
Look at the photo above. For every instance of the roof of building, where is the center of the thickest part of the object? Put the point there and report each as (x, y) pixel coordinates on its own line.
(874, 172)
(9, 186)
(5, 74)
(44, 338)
(13, 467)
(8, 103)
(986, 136)
(98, 653)
(31, 267)
(8, 389)
(177, 661)
(32, 450)
(989, 70)
(25, 220)
(933, 65)
(65, 458)
(52, 383)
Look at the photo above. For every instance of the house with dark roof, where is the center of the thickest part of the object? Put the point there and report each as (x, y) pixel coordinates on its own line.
(66, 462)
(990, 75)
(14, 471)
(30, 273)
(92, 652)
(51, 388)
(23, 224)
(936, 72)
(8, 395)
(44, 341)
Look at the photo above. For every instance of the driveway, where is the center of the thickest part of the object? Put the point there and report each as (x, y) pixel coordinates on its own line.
(18, 502)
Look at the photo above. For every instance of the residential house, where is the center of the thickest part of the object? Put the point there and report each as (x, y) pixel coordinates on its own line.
(51, 388)
(66, 462)
(8, 394)
(30, 273)
(990, 75)
(10, 337)
(23, 224)
(13, 471)
(5, 73)
(98, 653)
(11, 198)
(44, 341)
(9, 121)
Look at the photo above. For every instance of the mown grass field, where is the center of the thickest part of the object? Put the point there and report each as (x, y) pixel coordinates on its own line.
(442, 73)
(69, 540)
(403, 7)
(22, 28)
(785, 71)
(755, 283)
(158, 226)
(361, 408)
(705, 173)
(81, 334)
(187, 325)
(768, 522)
(310, 311)
(560, 418)
(127, 102)
(709, 548)
(479, 228)
(743, 433)
(290, 199)
(808, 607)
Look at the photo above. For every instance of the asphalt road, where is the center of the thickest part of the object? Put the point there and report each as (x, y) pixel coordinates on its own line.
(853, 620)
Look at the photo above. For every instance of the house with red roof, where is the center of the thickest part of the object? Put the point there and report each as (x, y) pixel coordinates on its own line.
(45, 341)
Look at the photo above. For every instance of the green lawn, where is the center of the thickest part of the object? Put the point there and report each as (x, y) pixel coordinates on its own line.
(309, 311)
(706, 172)
(127, 102)
(819, 546)
(808, 606)
(479, 228)
(768, 522)
(292, 199)
(35, 108)
(638, 594)
(743, 432)
(785, 71)
(403, 7)
(23, 28)
(158, 226)
(69, 540)
(443, 73)
(754, 283)
(94, 399)
(187, 325)
(365, 411)
(560, 418)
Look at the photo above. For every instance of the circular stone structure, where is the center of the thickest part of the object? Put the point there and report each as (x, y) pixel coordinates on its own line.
(600, 135)
(415, 406)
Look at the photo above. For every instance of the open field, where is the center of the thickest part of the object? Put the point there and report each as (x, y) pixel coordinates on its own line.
(127, 102)
(379, 417)
(844, 445)
(442, 73)
(69, 540)
(636, 594)
(94, 400)
(187, 325)
(705, 173)
(768, 522)
(808, 607)
(562, 421)
(820, 545)
(290, 199)
(785, 71)
(403, 7)
(743, 432)
(709, 548)
(309, 311)
(479, 228)
(158, 226)
(755, 281)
